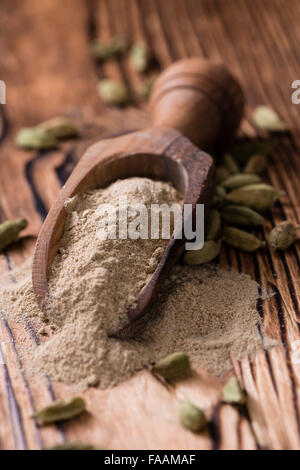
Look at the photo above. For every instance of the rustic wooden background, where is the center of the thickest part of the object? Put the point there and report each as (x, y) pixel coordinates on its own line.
(48, 70)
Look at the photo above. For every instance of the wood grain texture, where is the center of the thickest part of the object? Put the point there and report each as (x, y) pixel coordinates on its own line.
(48, 70)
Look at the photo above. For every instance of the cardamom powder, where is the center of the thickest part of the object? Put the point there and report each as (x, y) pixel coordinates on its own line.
(204, 311)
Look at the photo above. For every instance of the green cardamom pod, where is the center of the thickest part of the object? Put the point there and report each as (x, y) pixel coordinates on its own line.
(220, 191)
(172, 367)
(71, 446)
(233, 393)
(244, 149)
(240, 179)
(139, 57)
(283, 235)
(60, 410)
(221, 173)
(112, 92)
(213, 225)
(241, 240)
(266, 118)
(231, 164)
(208, 252)
(241, 215)
(192, 417)
(35, 138)
(260, 197)
(256, 164)
(59, 127)
(106, 50)
(9, 232)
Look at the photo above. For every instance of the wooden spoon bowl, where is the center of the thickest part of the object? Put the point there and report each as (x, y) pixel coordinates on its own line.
(161, 153)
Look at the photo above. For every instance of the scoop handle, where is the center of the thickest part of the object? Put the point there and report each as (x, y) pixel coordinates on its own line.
(199, 98)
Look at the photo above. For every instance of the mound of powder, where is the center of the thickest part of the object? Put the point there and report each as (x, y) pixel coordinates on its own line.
(104, 277)
(202, 310)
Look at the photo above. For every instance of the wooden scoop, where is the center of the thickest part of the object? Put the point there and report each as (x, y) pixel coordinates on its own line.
(193, 99)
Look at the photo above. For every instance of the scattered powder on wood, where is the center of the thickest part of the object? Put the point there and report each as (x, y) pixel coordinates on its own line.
(205, 311)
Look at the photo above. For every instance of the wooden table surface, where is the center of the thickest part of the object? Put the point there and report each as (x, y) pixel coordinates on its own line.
(48, 70)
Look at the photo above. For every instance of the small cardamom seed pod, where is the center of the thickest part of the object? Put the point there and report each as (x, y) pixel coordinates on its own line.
(233, 393)
(213, 225)
(231, 164)
(208, 252)
(71, 446)
(256, 164)
(220, 191)
(192, 417)
(241, 240)
(35, 138)
(9, 232)
(283, 235)
(59, 127)
(106, 50)
(221, 173)
(60, 410)
(139, 57)
(260, 197)
(241, 215)
(240, 179)
(112, 92)
(266, 118)
(172, 367)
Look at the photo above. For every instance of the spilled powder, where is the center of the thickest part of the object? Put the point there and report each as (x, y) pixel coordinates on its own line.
(202, 310)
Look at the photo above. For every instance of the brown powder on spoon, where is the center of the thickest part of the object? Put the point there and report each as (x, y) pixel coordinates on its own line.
(204, 311)
(104, 277)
